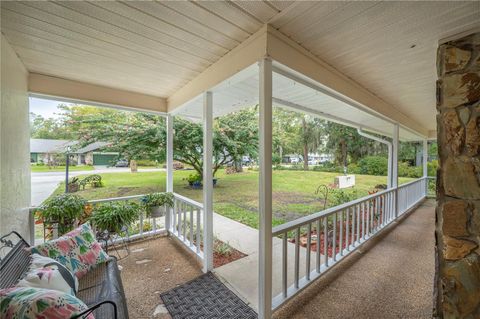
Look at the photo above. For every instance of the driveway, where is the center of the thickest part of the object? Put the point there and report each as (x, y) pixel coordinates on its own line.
(44, 184)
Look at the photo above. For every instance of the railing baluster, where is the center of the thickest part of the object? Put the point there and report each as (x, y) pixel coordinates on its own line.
(309, 246)
(197, 238)
(334, 238)
(362, 205)
(318, 231)
(191, 225)
(367, 205)
(141, 225)
(347, 230)
(180, 222)
(357, 209)
(175, 209)
(341, 232)
(285, 264)
(325, 240)
(154, 225)
(353, 225)
(297, 257)
(185, 221)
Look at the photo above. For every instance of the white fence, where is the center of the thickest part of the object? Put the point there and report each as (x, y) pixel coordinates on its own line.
(334, 233)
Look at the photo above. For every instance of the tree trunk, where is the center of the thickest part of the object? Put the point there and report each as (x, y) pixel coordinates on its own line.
(238, 166)
(305, 144)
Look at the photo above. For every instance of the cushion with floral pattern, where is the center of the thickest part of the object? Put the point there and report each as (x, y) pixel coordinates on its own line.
(78, 250)
(39, 303)
(44, 272)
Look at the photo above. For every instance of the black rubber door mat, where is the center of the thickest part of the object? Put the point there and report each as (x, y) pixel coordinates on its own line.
(205, 297)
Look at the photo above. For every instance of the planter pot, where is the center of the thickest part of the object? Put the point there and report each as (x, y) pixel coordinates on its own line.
(197, 184)
(156, 211)
(72, 188)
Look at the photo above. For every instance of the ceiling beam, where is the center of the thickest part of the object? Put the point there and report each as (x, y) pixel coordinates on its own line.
(81, 92)
(247, 53)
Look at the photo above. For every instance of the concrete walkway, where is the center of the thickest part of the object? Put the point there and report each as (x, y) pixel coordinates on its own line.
(393, 279)
(242, 275)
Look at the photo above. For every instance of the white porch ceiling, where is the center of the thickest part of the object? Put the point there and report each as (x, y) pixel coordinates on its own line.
(241, 91)
(157, 47)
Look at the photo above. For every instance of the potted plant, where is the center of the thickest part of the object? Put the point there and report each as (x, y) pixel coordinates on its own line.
(73, 185)
(114, 215)
(195, 180)
(63, 209)
(155, 204)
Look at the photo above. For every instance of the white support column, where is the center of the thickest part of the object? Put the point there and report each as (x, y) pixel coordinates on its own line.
(425, 164)
(207, 181)
(169, 186)
(265, 191)
(396, 133)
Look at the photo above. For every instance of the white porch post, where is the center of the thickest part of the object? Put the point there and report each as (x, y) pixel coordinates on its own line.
(207, 181)
(425, 164)
(169, 186)
(265, 191)
(396, 133)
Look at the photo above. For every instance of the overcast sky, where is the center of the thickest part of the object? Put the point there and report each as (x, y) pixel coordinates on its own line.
(45, 108)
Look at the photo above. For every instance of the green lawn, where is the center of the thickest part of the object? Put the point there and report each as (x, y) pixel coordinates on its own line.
(44, 168)
(236, 195)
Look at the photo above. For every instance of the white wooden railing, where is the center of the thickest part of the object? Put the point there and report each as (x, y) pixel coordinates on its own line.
(184, 221)
(334, 233)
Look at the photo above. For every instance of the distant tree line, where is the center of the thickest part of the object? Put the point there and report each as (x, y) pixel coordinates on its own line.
(138, 135)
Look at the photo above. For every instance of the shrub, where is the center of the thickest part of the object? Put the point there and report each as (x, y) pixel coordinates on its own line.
(405, 170)
(145, 162)
(432, 168)
(341, 196)
(373, 165)
(276, 159)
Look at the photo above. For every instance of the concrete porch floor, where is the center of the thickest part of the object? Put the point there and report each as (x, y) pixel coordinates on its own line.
(392, 277)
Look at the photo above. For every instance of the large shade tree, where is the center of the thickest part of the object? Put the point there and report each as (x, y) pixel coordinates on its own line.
(143, 136)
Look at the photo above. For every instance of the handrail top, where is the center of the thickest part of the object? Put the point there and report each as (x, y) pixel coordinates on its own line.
(412, 182)
(308, 219)
(188, 200)
(113, 199)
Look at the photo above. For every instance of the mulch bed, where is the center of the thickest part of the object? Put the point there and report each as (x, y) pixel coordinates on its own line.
(223, 259)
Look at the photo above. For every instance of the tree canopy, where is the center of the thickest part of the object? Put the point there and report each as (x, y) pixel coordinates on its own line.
(143, 136)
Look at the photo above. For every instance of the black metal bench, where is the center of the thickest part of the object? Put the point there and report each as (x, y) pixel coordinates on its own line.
(100, 289)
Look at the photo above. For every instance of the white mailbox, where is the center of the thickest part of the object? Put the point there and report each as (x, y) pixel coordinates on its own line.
(345, 181)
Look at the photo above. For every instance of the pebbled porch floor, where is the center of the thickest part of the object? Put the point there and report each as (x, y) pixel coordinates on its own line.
(391, 278)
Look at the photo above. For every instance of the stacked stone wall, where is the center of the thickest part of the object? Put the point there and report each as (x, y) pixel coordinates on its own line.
(457, 282)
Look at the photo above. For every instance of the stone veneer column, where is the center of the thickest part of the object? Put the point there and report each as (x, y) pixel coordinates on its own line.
(457, 281)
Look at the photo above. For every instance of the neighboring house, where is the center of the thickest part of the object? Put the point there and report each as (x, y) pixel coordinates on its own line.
(47, 151)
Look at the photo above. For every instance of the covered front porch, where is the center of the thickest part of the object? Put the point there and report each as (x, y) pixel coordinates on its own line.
(181, 67)
(394, 269)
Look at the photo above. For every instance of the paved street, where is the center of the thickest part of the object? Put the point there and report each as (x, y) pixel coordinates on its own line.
(43, 184)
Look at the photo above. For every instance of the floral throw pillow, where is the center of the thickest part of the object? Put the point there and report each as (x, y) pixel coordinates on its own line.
(26, 303)
(77, 250)
(47, 273)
